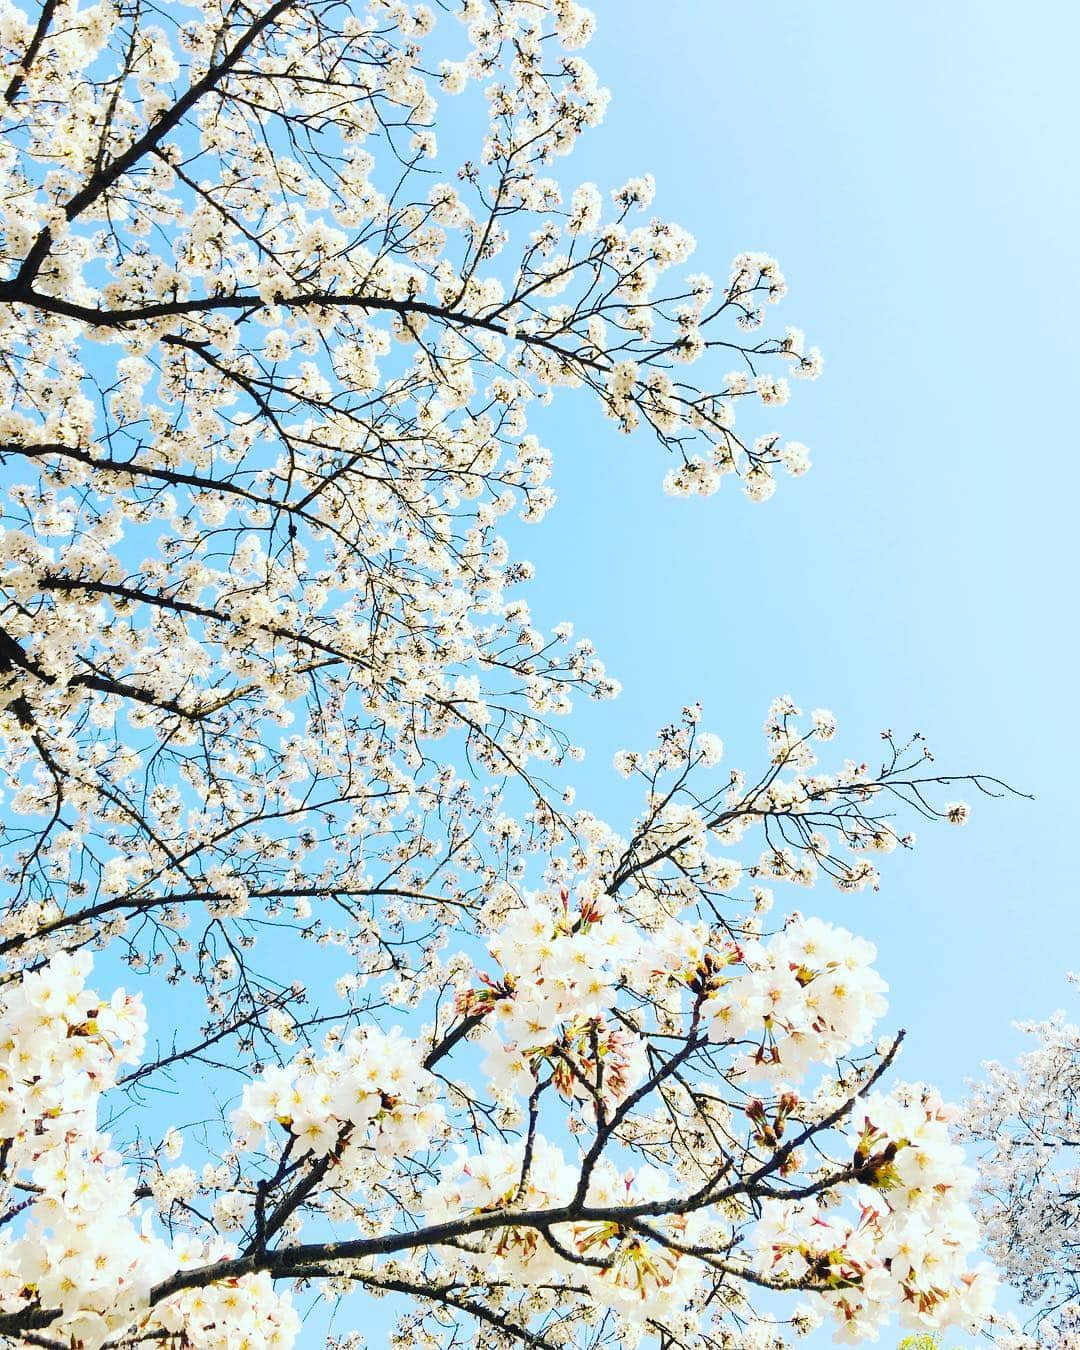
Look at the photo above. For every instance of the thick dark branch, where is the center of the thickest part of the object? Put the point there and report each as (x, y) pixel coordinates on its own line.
(48, 9)
(16, 293)
(451, 1039)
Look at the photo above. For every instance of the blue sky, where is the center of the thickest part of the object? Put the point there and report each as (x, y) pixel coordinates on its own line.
(910, 168)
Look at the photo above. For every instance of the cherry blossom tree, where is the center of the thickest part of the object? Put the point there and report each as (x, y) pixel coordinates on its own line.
(278, 732)
(1025, 1122)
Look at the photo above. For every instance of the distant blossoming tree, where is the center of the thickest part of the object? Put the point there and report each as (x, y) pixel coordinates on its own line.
(279, 732)
(1026, 1123)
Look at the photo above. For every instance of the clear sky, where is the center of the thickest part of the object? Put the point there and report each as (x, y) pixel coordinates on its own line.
(912, 167)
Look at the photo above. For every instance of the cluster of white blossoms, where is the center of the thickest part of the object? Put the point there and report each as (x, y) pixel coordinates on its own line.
(61, 1046)
(641, 1280)
(909, 1248)
(235, 1313)
(1021, 1122)
(807, 996)
(85, 1250)
(80, 1252)
(369, 1098)
(683, 827)
(560, 969)
(1059, 1331)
